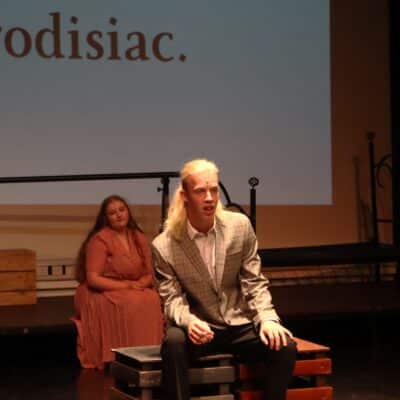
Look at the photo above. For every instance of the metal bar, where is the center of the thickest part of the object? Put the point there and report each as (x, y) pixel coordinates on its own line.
(370, 137)
(89, 177)
(253, 182)
(394, 47)
(165, 180)
(374, 212)
(101, 177)
(164, 199)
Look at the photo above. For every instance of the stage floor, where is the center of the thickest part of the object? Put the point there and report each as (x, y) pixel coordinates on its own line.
(44, 367)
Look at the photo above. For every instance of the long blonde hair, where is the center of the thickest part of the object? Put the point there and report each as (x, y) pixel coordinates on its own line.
(176, 218)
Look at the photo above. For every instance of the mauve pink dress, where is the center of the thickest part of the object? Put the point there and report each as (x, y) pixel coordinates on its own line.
(116, 318)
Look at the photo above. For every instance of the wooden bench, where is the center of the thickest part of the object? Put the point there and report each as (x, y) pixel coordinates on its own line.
(137, 375)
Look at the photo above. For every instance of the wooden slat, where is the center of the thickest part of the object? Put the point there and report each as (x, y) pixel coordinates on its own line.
(305, 346)
(318, 366)
(145, 379)
(317, 393)
(142, 354)
(128, 374)
(17, 260)
(151, 355)
(19, 280)
(116, 394)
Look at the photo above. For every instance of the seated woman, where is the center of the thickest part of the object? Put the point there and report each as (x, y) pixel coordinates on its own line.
(116, 303)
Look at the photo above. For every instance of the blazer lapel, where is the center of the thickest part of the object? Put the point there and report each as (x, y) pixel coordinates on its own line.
(220, 251)
(192, 252)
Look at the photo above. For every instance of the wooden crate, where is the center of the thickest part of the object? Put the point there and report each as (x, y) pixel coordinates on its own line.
(17, 277)
(137, 373)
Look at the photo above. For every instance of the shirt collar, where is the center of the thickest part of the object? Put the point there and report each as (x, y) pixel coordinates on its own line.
(193, 232)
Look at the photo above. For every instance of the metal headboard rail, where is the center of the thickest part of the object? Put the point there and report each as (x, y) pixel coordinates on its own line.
(164, 176)
(376, 170)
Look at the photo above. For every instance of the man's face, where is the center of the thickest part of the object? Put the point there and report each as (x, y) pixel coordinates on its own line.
(201, 194)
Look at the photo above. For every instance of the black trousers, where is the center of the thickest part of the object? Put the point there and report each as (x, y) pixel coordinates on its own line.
(242, 341)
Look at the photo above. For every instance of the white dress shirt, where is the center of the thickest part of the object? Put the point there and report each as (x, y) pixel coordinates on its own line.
(205, 242)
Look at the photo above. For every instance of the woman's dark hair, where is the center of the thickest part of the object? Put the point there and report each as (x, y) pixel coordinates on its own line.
(100, 223)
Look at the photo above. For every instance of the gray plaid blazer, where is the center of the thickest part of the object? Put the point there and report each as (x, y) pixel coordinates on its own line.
(237, 296)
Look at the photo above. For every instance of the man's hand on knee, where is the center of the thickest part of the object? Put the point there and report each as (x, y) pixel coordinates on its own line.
(199, 332)
(273, 334)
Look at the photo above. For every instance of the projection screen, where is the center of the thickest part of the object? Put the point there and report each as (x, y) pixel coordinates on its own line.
(91, 87)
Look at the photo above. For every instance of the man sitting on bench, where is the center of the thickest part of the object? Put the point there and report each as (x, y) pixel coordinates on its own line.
(215, 297)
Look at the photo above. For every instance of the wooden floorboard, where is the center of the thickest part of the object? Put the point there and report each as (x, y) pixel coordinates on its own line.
(49, 314)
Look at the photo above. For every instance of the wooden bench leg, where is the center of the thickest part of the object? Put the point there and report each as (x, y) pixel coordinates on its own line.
(147, 394)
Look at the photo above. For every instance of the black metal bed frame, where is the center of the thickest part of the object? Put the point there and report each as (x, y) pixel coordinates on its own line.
(366, 252)
(371, 251)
